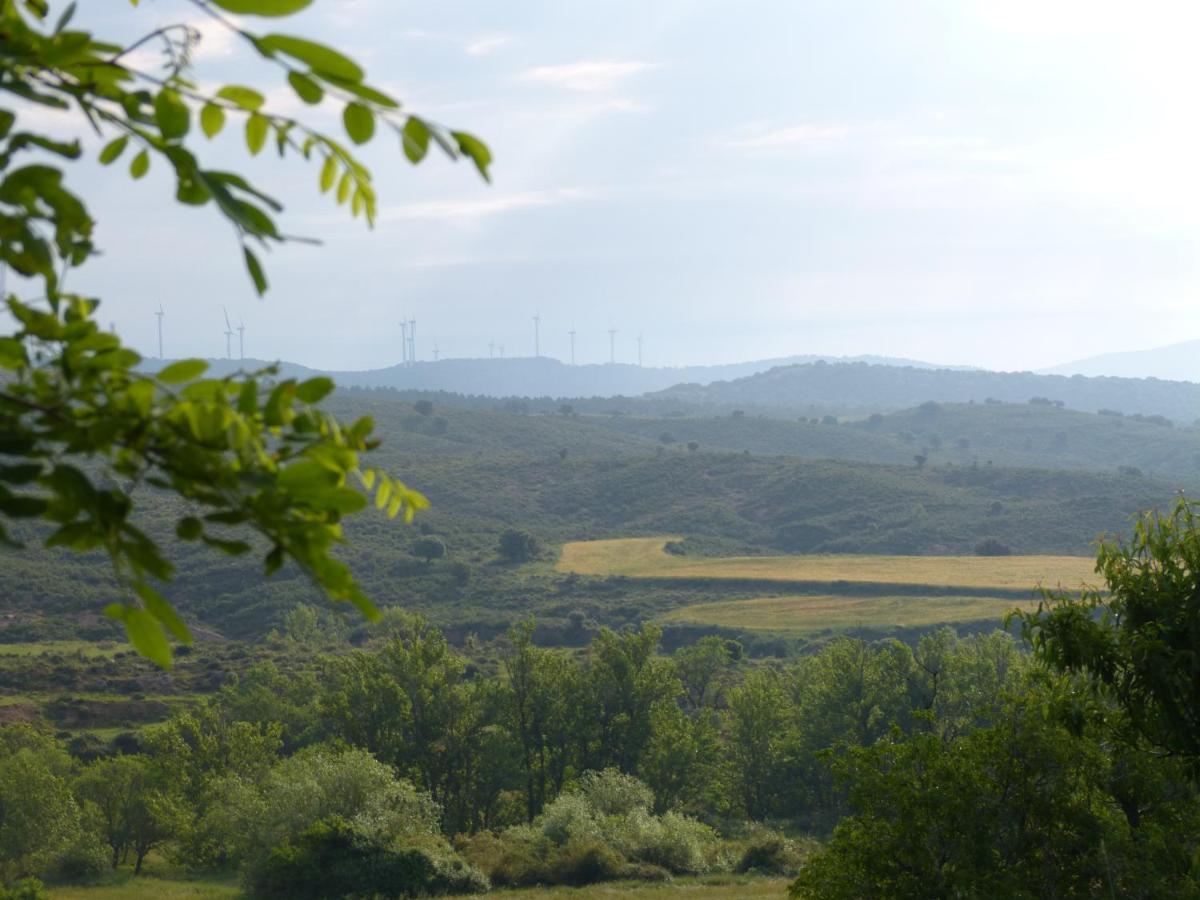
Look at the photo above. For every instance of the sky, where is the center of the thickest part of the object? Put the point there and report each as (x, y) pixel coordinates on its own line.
(1008, 184)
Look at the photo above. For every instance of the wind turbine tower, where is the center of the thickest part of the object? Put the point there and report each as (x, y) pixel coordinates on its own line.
(228, 335)
(435, 349)
(241, 338)
(537, 335)
(403, 343)
(160, 318)
(612, 346)
(491, 349)
(572, 334)
(639, 339)
(502, 351)
(412, 341)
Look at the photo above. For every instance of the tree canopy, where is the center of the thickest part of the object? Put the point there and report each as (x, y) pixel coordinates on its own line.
(257, 463)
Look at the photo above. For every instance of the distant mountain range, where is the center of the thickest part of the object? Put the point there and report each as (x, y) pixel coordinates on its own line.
(1175, 362)
(543, 376)
(803, 388)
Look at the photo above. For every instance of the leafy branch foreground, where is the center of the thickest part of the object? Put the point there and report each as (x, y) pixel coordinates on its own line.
(80, 429)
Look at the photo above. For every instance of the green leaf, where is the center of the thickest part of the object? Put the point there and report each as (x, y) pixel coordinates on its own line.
(158, 607)
(171, 114)
(364, 92)
(113, 149)
(189, 528)
(257, 127)
(306, 89)
(265, 8)
(254, 267)
(321, 59)
(415, 139)
(328, 173)
(477, 150)
(359, 122)
(140, 165)
(144, 633)
(247, 98)
(343, 188)
(212, 120)
(184, 370)
(314, 389)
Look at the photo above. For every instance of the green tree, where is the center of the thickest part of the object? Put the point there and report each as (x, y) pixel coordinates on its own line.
(761, 741)
(429, 548)
(81, 426)
(39, 819)
(1137, 642)
(518, 546)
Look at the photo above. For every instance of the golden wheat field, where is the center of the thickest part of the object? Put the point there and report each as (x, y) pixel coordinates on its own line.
(646, 558)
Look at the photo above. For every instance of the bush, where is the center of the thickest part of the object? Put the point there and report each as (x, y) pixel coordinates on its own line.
(518, 546)
(588, 863)
(613, 793)
(333, 859)
(768, 853)
(25, 889)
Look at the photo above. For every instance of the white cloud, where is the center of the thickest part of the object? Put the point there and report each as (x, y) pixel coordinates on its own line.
(469, 211)
(795, 137)
(486, 45)
(593, 76)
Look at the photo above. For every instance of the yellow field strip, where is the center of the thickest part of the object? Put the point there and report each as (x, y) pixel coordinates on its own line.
(645, 558)
(807, 614)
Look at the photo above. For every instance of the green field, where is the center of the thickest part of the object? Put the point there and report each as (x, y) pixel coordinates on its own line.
(646, 558)
(820, 613)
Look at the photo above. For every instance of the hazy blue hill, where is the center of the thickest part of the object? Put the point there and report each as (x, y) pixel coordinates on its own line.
(536, 376)
(1176, 362)
(882, 388)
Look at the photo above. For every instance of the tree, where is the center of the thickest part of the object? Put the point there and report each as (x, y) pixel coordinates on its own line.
(38, 816)
(248, 452)
(429, 548)
(518, 546)
(424, 407)
(1136, 642)
(693, 446)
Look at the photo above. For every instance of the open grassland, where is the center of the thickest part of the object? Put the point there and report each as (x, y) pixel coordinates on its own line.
(837, 613)
(646, 558)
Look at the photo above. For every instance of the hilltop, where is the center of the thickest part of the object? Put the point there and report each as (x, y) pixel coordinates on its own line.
(882, 388)
(536, 376)
(1177, 362)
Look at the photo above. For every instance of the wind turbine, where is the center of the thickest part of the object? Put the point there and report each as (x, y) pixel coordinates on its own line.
(572, 334)
(228, 335)
(639, 342)
(435, 349)
(537, 335)
(241, 338)
(491, 349)
(612, 346)
(403, 343)
(160, 318)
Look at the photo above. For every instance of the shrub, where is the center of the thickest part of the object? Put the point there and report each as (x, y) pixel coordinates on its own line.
(333, 859)
(429, 548)
(769, 853)
(588, 863)
(613, 793)
(518, 546)
(25, 889)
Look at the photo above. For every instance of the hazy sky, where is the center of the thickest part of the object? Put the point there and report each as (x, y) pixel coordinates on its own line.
(1010, 184)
